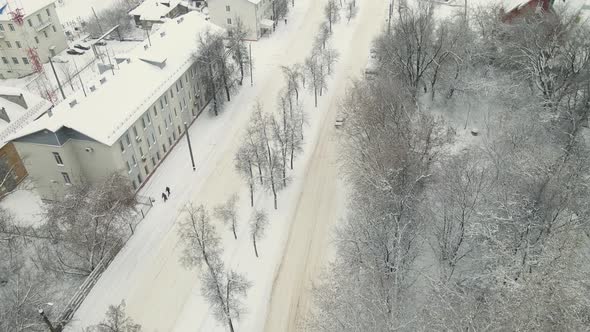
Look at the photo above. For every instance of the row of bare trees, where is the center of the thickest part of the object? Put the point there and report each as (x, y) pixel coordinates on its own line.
(447, 235)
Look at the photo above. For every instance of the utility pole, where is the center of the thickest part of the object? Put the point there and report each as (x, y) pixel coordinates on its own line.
(214, 92)
(57, 79)
(97, 21)
(80, 78)
(190, 149)
(465, 11)
(251, 69)
(389, 20)
(148, 36)
(110, 63)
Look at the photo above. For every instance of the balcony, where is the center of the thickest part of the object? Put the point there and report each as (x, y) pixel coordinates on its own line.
(44, 24)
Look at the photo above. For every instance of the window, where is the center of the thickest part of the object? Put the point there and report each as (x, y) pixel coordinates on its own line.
(158, 154)
(8, 44)
(25, 61)
(36, 39)
(179, 130)
(66, 178)
(149, 143)
(135, 131)
(229, 21)
(170, 116)
(134, 161)
(174, 135)
(153, 139)
(139, 178)
(58, 159)
(181, 86)
(1, 27)
(143, 123)
(11, 27)
(171, 94)
(17, 44)
(127, 139)
(166, 123)
(53, 28)
(148, 117)
(39, 18)
(5, 60)
(155, 111)
(30, 23)
(128, 167)
(160, 130)
(161, 104)
(147, 170)
(134, 185)
(175, 113)
(45, 34)
(47, 11)
(15, 60)
(227, 9)
(141, 151)
(169, 141)
(153, 161)
(186, 78)
(165, 100)
(177, 86)
(164, 148)
(122, 146)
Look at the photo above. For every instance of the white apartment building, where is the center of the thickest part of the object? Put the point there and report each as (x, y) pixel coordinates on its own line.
(128, 122)
(41, 30)
(257, 15)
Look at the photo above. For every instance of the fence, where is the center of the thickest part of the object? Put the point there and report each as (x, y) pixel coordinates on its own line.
(143, 206)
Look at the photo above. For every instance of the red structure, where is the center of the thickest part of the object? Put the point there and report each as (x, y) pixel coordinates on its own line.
(18, 16)
(526, 8)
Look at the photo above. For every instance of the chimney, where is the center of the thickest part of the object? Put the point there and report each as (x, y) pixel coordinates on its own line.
(3, 115)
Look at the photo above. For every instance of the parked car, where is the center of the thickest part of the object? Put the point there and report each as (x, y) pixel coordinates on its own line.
(339, 121)
(58, 59)
(101, 43)
(74, 51)
(372, 64)
(82, 47)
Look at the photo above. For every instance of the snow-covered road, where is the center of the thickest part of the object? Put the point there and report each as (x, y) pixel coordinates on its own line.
(322, 198)
(160, 293)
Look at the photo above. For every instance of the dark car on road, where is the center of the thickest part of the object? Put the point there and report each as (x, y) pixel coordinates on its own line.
(82, 47)
(74, 51)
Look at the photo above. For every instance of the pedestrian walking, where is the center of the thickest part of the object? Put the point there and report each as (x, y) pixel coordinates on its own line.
(164, 197)
(168, 191)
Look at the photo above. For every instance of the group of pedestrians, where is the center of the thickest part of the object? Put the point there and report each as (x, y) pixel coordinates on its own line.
(166, 194)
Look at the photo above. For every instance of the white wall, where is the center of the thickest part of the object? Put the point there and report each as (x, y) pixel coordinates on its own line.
(248, 12)
(51, 36)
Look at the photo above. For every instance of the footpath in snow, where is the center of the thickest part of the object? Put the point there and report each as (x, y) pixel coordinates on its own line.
(160, 293)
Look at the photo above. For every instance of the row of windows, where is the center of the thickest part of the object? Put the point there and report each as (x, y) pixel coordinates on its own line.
(19, 45)
(15, 60)
(60, 162)
(39, 18)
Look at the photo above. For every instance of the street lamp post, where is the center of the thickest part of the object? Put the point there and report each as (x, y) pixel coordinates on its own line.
(58, 328)
(190, 148)
(251, 69)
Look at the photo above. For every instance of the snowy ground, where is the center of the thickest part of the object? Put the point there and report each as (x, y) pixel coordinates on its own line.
(160, 293)
(25, 206)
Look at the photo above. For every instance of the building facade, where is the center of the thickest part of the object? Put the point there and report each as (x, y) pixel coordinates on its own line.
(41, 30)
(256, 15)
(151, 12)
(85, 139)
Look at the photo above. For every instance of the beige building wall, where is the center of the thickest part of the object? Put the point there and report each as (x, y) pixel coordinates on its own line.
(41, 30)
(225, 12)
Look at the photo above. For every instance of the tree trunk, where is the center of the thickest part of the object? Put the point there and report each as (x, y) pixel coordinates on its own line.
(214, 92)
(252, 193)
(315, 94)
(233, 228)
(254, 242)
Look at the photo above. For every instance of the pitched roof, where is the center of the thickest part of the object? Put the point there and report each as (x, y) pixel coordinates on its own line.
(19, 116)
(109, 111)
(153, 10)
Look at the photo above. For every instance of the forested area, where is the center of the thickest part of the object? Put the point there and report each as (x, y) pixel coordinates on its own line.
(467, 162)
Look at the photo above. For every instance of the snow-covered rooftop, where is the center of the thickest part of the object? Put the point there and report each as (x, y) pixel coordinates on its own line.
(27, 6)
(19, 116)
(153, 10)
(119, 101)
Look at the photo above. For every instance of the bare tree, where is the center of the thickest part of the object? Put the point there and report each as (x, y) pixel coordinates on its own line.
(228, 213)
(84, 227)
(116, 14)
(237, 36)
(351, 10)
(258, 224)
(281, 8)
(332, 12)
(244, 163)
(316, 75)
(201, 242)
(116, 320)
(329, 58)
(68, 71)
(292, 75)
(323, 36)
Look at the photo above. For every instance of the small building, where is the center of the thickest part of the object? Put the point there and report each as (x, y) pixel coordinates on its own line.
(128, 122)
(256, 15)
(37, 27)
(151, 12)
(17, 108)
